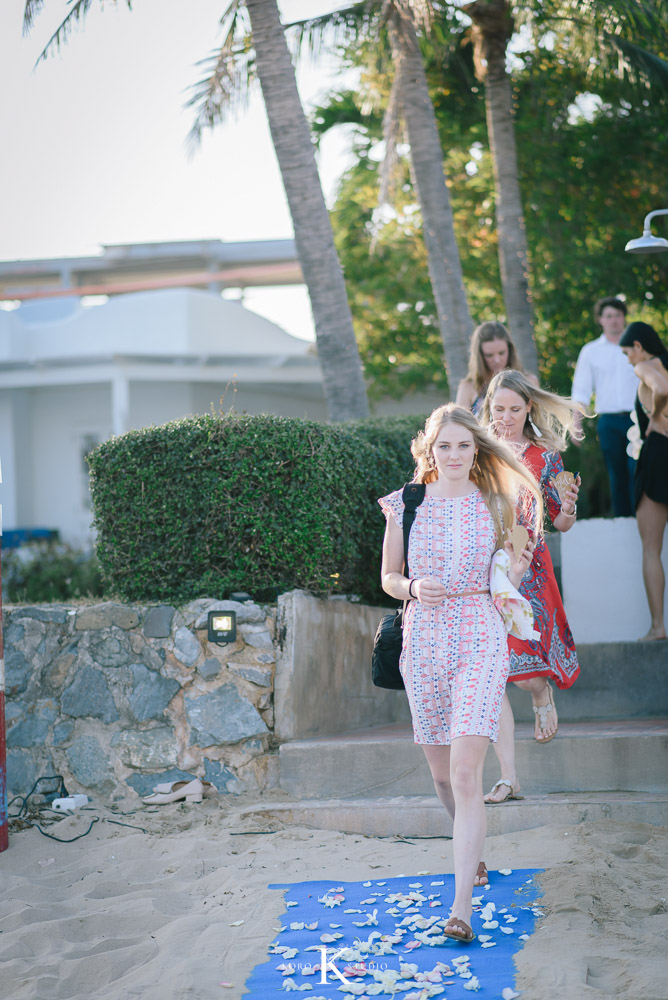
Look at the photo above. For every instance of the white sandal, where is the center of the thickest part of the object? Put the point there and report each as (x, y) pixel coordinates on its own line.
(191, 791)
(541, 711)
(512, 794)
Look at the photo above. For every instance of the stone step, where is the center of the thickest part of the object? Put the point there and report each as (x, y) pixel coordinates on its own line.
(417, 816)
(619, 756)
(618, 680)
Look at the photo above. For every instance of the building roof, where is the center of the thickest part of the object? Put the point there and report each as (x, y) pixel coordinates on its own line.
(178, 334)
(124, 268)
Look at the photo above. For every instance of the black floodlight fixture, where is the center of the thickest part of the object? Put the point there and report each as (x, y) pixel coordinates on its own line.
(648, 243)
(222, 627)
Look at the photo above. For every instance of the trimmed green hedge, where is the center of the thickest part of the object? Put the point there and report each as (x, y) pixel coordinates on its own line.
(207, 505)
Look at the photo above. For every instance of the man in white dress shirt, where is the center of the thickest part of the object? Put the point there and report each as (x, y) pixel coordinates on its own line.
(603, 371)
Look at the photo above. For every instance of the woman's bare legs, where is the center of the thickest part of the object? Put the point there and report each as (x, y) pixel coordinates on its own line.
(457, 774)
(652, 518)
(504, 749)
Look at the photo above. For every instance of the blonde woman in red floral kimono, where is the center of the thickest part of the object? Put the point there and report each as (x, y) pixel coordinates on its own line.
(536, 424)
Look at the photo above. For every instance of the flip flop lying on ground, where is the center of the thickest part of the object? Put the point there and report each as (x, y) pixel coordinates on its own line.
(510, 794)
(451, 930)
(191, 791)
(541, 712)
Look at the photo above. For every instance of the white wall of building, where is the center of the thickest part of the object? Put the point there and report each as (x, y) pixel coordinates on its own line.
(601, 576)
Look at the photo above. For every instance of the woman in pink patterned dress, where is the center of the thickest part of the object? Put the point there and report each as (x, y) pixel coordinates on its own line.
(454, 660)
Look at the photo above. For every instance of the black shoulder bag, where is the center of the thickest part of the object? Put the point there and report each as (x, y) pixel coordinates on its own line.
(388, 639)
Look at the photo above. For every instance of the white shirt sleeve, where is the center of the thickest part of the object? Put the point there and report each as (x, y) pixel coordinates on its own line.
(583, 379)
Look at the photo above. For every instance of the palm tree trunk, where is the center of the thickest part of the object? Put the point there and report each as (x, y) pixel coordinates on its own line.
(345, 391)
(445, 270)
(492, 29)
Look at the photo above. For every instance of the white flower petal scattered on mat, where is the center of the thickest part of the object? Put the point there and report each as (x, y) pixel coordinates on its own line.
(313, 926)
(504, 909)
(412, 944)
(330, 901)
(505, 871)
(476, 900)
(381, 883)
(537, 913)
(415, 885)
(435, 902)
(367, 884)
(371, 920)
(530, 880)
(438, 883)
(484, 937)
(334, 925)
(524, 937)
(488, 944)
(472, 984)
(510, 919)
(509, 994)
(506, 930)
(291, 902)
(297, 927)
(487, 911)
(368, 902)
(236, 923)
(350, 911)
(422, 873)
(407, 971)
(329, 938)
(491, 925)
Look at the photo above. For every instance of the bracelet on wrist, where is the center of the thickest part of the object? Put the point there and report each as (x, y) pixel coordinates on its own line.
(572, 513)
(410, 588)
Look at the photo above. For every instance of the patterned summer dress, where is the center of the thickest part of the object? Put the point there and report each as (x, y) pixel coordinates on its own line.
(553, 655)
(454, 660)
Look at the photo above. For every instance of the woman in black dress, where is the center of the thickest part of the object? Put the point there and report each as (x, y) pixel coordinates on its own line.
(645, 351)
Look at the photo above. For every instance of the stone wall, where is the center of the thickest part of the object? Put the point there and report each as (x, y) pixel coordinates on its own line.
(117, 698)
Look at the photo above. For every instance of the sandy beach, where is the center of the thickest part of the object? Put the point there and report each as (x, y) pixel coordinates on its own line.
(124, 913)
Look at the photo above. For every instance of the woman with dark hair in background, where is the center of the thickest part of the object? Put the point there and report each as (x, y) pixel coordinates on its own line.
(646, 352)
(492, 350)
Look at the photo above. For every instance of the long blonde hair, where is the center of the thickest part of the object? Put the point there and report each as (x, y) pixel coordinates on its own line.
(504, 482)
(478, 372)
(551, 418)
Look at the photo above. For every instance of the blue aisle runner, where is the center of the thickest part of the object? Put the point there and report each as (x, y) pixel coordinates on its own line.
(384, 939)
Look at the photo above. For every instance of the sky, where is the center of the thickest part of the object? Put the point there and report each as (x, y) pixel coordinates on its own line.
(94, 139)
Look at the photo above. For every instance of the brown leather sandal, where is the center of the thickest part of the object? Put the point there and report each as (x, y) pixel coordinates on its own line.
(480, 874)
(465, 935)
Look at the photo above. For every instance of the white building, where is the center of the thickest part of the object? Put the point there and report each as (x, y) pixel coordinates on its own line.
(72, 376)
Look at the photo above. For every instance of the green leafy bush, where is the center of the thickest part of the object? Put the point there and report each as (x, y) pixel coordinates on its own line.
(49, 571)
(206, 505)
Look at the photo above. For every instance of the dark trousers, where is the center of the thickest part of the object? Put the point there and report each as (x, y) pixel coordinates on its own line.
(612, 428)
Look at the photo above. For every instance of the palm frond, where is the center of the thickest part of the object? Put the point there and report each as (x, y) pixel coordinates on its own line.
(392, 133)
(626, 38)
(78, 12)
(31, 10)
(339, 29)
(341, 109)
(229, 75)
(638, 65)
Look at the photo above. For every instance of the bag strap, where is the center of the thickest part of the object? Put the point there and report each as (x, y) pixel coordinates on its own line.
(412, 496)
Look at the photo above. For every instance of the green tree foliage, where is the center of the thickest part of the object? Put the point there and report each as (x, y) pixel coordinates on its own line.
(588, 178)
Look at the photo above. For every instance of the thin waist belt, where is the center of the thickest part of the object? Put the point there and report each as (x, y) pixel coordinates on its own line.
(469, 593)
